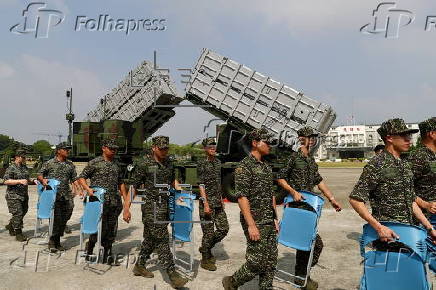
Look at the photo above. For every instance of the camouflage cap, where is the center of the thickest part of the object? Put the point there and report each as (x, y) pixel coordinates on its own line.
(209, 141)
(427, 126)
(260, 134)
(394, 127)
(63, 145)
(161, 141)
(306, 132)
(109, 143)
(20, 152)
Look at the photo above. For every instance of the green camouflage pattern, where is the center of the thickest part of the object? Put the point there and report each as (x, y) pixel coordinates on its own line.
(301, 172)
(160, 141)
(394, 127)
(427, 126)
(261, 259)
(209, 174)
(107, 175)
(146, 173)
(260, 134)
(18, 207)
(88, 137)
(214, 228)
(16, 172)
(208, 141)
(63, 145)
(64, 172)
(306, 132)
(254, 180)
(387, 183)
(423, 161)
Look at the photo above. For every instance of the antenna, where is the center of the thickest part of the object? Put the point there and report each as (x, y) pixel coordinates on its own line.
(70, 116)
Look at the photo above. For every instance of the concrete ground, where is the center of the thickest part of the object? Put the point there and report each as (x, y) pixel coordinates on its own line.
(339, 266)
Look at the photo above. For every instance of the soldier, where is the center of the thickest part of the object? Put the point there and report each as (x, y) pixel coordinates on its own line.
(387, 183)
(64, 171)
(301, 173)
(17, 178)
(211, 207)
(423, 161)
(154, 169)
(254, 190)
(378, 149)
(105, 172)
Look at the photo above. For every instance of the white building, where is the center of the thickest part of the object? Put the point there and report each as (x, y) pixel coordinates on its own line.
(356, 141)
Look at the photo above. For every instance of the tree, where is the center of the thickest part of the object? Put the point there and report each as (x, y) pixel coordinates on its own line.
(5, 141)
(41, 147)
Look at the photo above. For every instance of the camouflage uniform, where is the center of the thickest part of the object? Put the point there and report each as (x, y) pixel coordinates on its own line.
(65, 173)
(387, 182)
(107, 175)
(423, 162)
(17, 197)
(149, 172)
(301, 173)
(209, 174)
(254, 180)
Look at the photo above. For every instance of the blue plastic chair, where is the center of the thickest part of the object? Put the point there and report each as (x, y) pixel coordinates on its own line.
(182, 217)
(403, 269)
(301, 221)
(45, 205)
(299, 227)
(90, 222)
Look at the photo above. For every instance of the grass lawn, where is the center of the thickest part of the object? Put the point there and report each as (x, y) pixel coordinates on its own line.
(341, 164)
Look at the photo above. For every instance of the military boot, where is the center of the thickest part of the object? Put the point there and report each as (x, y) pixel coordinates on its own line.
(19, 236)
(177, 281)
(58, 245)
(67, 230)
(52, 245)
(212, 257)
(207, 263)
(228, 283)
(89, 248)
(310, 285)
(108, 257)
(10, 229)
(140, 270)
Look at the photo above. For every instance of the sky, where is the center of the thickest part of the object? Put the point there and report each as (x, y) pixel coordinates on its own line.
(315, 47)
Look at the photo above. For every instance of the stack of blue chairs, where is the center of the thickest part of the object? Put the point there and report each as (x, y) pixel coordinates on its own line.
(299, 227)
(403, 269)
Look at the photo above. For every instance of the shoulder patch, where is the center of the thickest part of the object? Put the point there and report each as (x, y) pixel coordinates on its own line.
(238, 170)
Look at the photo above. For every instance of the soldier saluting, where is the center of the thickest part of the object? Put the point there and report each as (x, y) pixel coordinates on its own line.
(105, 172)
(387, 184)
(64, 171)
(17, 178)
(254, 190)
(211, 207)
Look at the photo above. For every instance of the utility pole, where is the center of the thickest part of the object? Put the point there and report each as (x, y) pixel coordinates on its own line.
(70, 116)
